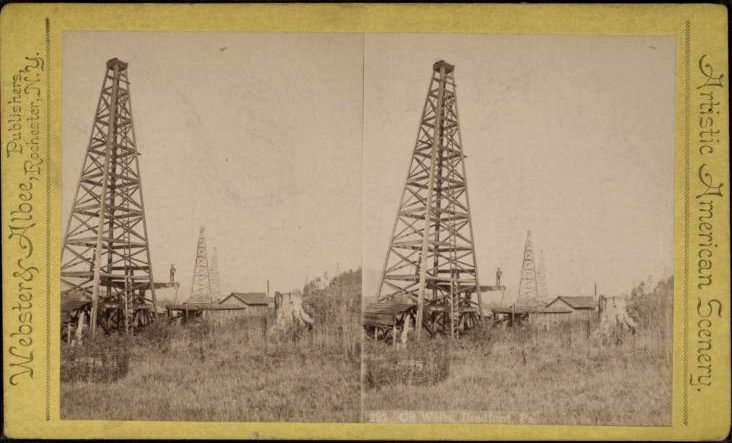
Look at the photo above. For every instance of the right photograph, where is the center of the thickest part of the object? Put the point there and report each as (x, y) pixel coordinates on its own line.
(518, 222)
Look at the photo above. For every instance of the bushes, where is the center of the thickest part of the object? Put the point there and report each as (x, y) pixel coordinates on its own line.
(426, 362)
(156, 336)
(103, 360)
(652, 311)
(221, 371)
(336, 311)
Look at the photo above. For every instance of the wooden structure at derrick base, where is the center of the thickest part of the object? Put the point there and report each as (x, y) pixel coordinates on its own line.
(190, 311)
(544, 317)
(384, 320)
(76, 314)
(431, 254)
(491, 296)
(105, 261)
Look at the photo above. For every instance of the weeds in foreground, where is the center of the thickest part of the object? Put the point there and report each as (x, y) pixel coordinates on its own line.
(563, 375)
(233, 370)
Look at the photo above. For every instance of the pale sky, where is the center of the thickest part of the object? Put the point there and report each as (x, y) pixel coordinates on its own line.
(292, 149)
(255, 136)
(569, 136)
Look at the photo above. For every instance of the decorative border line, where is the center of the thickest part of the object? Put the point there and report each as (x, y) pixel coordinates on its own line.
(362, 368)
(48, 219)
(685, 301)
(685, 308)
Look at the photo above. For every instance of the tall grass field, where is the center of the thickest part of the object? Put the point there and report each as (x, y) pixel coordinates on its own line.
(235, 369)
(564, 375)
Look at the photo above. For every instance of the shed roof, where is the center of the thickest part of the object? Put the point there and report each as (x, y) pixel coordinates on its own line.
(530, 310)
(249, 298)
(204, 307)
(553, 310)
(385, 313)
(578, 302)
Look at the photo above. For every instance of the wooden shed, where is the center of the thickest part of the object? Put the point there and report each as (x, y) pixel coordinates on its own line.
(581, 306)
(246, 298)
(251, 302)
(549, 316)
(544, 317)
(383, 320)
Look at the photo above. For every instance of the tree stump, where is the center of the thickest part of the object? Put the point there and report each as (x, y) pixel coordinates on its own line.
(289, 312)
(614, 319)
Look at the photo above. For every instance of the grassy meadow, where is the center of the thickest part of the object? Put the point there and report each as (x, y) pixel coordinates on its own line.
(239, 369)
(235, 369)
(561, 376)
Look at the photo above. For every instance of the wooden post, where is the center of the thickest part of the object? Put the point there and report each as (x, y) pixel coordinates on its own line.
(513, 314)
(126, 296)
(79, 328)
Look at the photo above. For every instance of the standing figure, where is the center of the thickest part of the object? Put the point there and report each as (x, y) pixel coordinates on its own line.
(172, 273)
(498, 276)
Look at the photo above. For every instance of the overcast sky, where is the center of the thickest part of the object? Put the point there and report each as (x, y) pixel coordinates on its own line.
(292, 149)
(569, 136)
(257, 137)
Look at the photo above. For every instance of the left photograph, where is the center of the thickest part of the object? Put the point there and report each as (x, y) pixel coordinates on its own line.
(211, 246)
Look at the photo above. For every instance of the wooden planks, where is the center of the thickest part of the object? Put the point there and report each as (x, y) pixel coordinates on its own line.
(386, 313)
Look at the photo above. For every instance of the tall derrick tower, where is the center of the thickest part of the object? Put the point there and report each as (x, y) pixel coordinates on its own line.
(105, 256)
(528, 293)
(431, 254)
(214, 276)
(201, 285)
(542, 288)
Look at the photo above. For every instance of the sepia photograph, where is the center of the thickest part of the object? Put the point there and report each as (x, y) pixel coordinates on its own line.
(521, 270)
(232, 290)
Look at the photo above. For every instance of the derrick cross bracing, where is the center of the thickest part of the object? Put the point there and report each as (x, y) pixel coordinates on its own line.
(106, 257)
(201, 284)
(528, 292)
(214, 277)
(431, 255)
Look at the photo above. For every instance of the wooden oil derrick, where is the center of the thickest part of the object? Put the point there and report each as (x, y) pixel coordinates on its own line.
(214, 276)
(201, 284)
(528, 293)
(106, 257)
(431, 255)
(542, 288)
